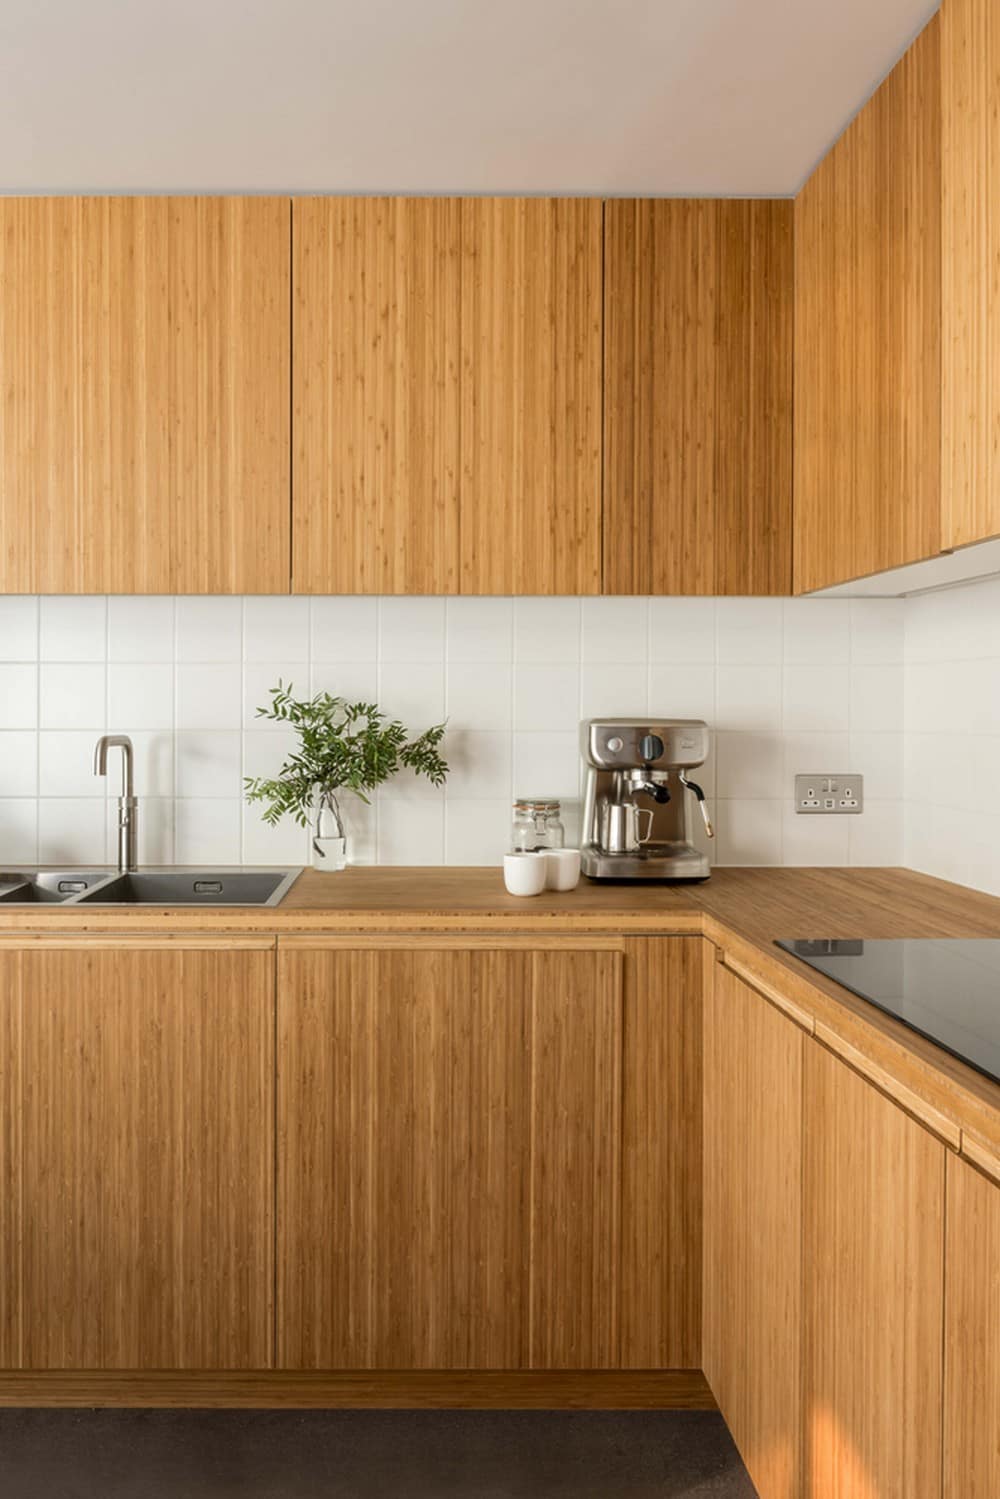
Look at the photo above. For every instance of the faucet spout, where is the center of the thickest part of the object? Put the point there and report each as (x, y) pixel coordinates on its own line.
(115, 741)
(128, 807)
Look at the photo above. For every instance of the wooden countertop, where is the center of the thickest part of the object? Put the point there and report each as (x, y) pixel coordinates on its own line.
(742, 911)
(766, 902)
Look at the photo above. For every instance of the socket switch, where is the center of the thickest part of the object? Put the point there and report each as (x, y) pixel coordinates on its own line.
(829, 793)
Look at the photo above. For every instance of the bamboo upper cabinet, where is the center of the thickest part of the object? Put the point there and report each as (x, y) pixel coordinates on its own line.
(136, 1154)
(972, 1333)
(144, 423)
(375, 395)
(873, 1290)
(698, 397)
(448, 1155)
(970, 108)
(868, 335)
(447, 395)
(753, 1228)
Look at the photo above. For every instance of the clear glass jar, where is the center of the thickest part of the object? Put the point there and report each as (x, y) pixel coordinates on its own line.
(537, 824)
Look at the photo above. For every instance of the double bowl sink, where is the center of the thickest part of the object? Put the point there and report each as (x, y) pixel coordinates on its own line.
(147, 887)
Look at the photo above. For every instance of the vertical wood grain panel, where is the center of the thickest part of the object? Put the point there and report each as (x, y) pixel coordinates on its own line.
(662, 1153)
(531, 396)
(753, 478)
(972, 1336)
(146, 1159)
(144, 424)
(970, 107)
(661, 361)
(376, 363)
(873, 1277)
(753, 1224)
(576, 1026)
(448, 1148)
(868, 336)
(698, 348)
(11, 1146)
(403, 1113)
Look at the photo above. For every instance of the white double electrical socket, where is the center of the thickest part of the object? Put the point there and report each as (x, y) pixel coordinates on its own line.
(829, 793)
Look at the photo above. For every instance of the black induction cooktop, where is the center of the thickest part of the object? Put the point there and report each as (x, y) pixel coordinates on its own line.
(948, 990)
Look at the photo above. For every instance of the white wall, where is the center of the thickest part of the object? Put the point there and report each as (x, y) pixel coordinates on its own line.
(952, 734)
(786, 685)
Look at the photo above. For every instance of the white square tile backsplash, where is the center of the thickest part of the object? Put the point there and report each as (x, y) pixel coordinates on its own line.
(547, 630)
(209, 629)
(787, 685)
(951, 735)
(73, 629)
(140, 629)
(18, 696)
(72, 695)
(18, 628)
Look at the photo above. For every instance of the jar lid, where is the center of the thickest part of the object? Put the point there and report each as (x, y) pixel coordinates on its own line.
(536, 804)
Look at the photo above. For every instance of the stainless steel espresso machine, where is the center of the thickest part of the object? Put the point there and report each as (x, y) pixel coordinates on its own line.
(639, 798)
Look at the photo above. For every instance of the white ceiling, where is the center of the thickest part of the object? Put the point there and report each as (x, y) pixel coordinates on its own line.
(577, 96)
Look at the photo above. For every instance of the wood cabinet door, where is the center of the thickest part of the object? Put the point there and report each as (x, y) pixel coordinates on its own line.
(136, 1155)
(873, 1280)
(868, 336)
(661, 1245)
(531, 396)
(376, 365)
(698, 387)
(972, 1335)
(144, 423)
(447, 395)
(448, 1144)
(970, 247)
(753, 1228)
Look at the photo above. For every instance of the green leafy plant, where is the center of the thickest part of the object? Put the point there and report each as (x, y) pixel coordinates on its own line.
(342, 747)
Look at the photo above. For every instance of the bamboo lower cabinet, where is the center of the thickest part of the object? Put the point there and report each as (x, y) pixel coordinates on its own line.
(873, 1286)
(136, 1154)
(972, 1334)
(452, 1190)
(753, 1221)
(824, 1269)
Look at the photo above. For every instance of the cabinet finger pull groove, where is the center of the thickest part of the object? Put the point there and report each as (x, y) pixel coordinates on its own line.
(987, 1161)
(923, 1112)
(766, 991)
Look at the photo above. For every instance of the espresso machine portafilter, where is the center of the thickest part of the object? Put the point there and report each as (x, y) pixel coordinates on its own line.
(639, 798)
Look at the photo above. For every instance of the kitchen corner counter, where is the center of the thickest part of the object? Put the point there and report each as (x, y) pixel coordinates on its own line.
(742, 911)
(760, 904)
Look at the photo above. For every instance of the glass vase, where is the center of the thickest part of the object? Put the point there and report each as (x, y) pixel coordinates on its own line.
(329, 842)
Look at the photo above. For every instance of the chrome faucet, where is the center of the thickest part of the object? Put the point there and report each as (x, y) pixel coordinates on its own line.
(128, 806)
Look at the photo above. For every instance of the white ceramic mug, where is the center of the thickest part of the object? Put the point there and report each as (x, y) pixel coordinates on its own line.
(562, 868)
(524, 874)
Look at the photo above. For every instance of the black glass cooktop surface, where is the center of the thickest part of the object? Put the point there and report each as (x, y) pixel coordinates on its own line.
(948, 990)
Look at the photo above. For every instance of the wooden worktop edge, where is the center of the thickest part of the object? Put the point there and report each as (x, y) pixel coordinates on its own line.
(967, 1101)
(273, 922)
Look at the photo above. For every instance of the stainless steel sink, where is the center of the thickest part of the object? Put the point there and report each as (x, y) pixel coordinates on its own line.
(192, 887)
(148, 887)
(53, 887)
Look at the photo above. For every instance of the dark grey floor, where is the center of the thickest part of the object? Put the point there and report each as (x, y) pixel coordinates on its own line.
(368, 1455)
